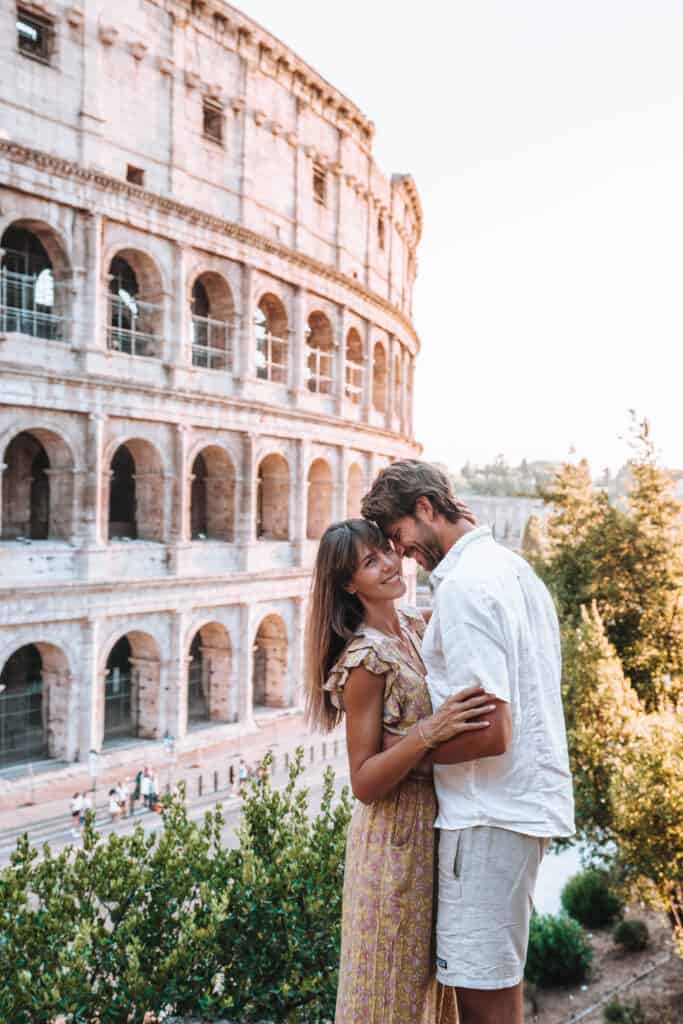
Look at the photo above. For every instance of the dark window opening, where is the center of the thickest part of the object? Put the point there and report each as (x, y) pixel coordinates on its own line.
(381, 234)
(135, 175)
(213, 122)
(33, 35)
(319, 184)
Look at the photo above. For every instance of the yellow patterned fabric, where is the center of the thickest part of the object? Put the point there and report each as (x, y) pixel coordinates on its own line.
(386, 971)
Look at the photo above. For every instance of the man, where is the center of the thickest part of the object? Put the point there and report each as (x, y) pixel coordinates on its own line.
(505, 790)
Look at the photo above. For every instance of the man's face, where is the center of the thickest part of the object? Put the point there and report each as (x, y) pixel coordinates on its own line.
(415, 537)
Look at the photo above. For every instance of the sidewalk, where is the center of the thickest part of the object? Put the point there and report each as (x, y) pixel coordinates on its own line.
(205, 770)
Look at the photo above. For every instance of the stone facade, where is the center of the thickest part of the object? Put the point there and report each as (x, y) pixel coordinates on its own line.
(206, 353)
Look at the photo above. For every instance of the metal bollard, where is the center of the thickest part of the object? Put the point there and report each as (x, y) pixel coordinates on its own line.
(200, 785)
(215, 781)
(336, 748)
(312, 754)
(286, 762)
(324, 751)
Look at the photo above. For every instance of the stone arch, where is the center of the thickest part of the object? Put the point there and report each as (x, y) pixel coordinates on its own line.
(37, 486)
(354, 491)
(319, 499)
(136, 303)
(353, 367)
(35, 685)
(34, 273)
(272, 498)
(136, 492)
(213, 315)
(319, 354)
(269, 680)
(212, 498)
(379, 378)
(131, 688)
(271, 331)
(209, 680)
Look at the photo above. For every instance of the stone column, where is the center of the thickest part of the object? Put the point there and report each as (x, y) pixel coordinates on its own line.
(91, 299)
(178, 326)
(246, 518)
(391, 352)
(218, 667)
(342, 488)
(301, 167)
(94, 492)
(366, 395)
(147, 694)
(300, 511)
(90, 686)
(177, 677)
(3, 467)
(295, 675)
(297, 341)
(61, 483)
(340, 361)
(91, 120)
(170, 67)
(245, 664)
(245, 350)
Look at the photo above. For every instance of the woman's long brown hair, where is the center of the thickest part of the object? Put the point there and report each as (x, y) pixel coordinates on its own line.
(333, 614)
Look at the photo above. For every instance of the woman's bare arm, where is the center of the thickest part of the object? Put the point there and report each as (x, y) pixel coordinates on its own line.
(374, 771)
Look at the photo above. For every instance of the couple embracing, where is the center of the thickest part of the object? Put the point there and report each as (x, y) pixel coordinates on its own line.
(456, 723)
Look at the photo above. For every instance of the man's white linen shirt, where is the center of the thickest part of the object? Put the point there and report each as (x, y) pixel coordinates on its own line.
(494, 623)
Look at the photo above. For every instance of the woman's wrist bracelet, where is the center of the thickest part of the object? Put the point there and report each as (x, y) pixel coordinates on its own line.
(428, 745)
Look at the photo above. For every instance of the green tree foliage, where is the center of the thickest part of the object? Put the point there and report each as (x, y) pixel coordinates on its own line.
(559, 951)
(175, 922)
(590, 899)
(499, 478)
(628, 559)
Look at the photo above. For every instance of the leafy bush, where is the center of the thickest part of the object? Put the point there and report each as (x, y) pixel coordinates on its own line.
(588, 898)
(559, 951)
(175, 922)
(632, 935)
(616, 1012)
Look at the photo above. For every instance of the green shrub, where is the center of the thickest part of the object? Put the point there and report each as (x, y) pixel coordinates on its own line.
(559, 951)
(588, 898)
(616, 1012)
(632, 935)
(175, 922)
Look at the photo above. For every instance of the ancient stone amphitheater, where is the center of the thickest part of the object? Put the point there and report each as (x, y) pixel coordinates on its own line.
(206, 353)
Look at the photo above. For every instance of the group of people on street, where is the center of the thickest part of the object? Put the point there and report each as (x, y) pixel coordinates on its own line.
(123, 798)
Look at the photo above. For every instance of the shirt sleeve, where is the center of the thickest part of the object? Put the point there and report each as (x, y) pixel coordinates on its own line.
(473, 638)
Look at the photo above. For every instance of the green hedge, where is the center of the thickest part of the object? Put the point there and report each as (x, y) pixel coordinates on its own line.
(559, 951)
(590, 900)
(178, 923)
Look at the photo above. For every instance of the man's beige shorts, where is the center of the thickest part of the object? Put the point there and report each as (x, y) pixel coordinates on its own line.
(486, 883)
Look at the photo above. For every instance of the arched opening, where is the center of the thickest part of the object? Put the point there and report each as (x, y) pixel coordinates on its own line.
(37, 487)
(135, 300)
(34, 704)
(353, 383)
(379, 378)
(270, 664)
(131, 688)
(319, 499)
(136, 492)
(213, 318)
(209, 680)
(354, 493)
(320, 350)
(33, 300)
(272, 340)
(272, 499)
(212, 508)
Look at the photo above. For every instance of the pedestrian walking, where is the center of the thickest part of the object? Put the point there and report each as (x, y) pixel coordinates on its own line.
(86, 805)
(154, 791)
(133, 795)
(122, 797)
(146, 788)
(76, 814)
(243, 774)
(114, 808)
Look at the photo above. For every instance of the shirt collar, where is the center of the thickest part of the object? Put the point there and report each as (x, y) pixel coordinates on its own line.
(451, 558)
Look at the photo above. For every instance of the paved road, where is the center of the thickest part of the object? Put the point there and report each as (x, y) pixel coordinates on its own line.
(57, 830)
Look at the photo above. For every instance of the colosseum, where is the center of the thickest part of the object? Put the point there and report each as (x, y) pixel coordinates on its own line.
(206, 353)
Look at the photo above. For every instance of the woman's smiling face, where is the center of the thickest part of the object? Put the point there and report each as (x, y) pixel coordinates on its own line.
(378, 576)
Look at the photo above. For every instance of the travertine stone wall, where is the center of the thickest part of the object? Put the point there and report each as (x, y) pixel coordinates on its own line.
(270, 334)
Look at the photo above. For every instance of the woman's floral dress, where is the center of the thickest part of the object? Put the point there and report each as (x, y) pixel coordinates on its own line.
(386, 972)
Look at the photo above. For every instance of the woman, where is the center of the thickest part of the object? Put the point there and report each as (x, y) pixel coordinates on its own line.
(363, 660)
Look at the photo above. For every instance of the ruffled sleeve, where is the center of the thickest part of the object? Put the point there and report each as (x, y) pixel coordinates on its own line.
(373, 654)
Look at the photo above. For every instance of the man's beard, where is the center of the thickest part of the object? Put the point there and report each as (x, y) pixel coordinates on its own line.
(429, 548)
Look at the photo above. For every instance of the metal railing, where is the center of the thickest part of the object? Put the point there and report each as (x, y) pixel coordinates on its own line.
(29, 304)
(271, 357)
(132, 327)
(211, 343)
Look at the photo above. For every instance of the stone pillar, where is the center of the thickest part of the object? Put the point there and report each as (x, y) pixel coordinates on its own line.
(342, 202)
(91, 298)
(178, 326)
(246, 519)
(146, 694)
(3, 467)
(61, 721)
(298, 352)
(391, 352)
(297, 529)
(177, 675)
(295, 675)
(340, 361)
(245, 351)
(90, 689)
(218, 667)
(94, 487)
(171, 67)
(245, 664)
(301, 176)
(366, 395)
(91, 121)
(61, 521)
(342, 488)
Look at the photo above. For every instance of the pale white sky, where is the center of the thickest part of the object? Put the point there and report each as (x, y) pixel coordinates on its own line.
(546, 140)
